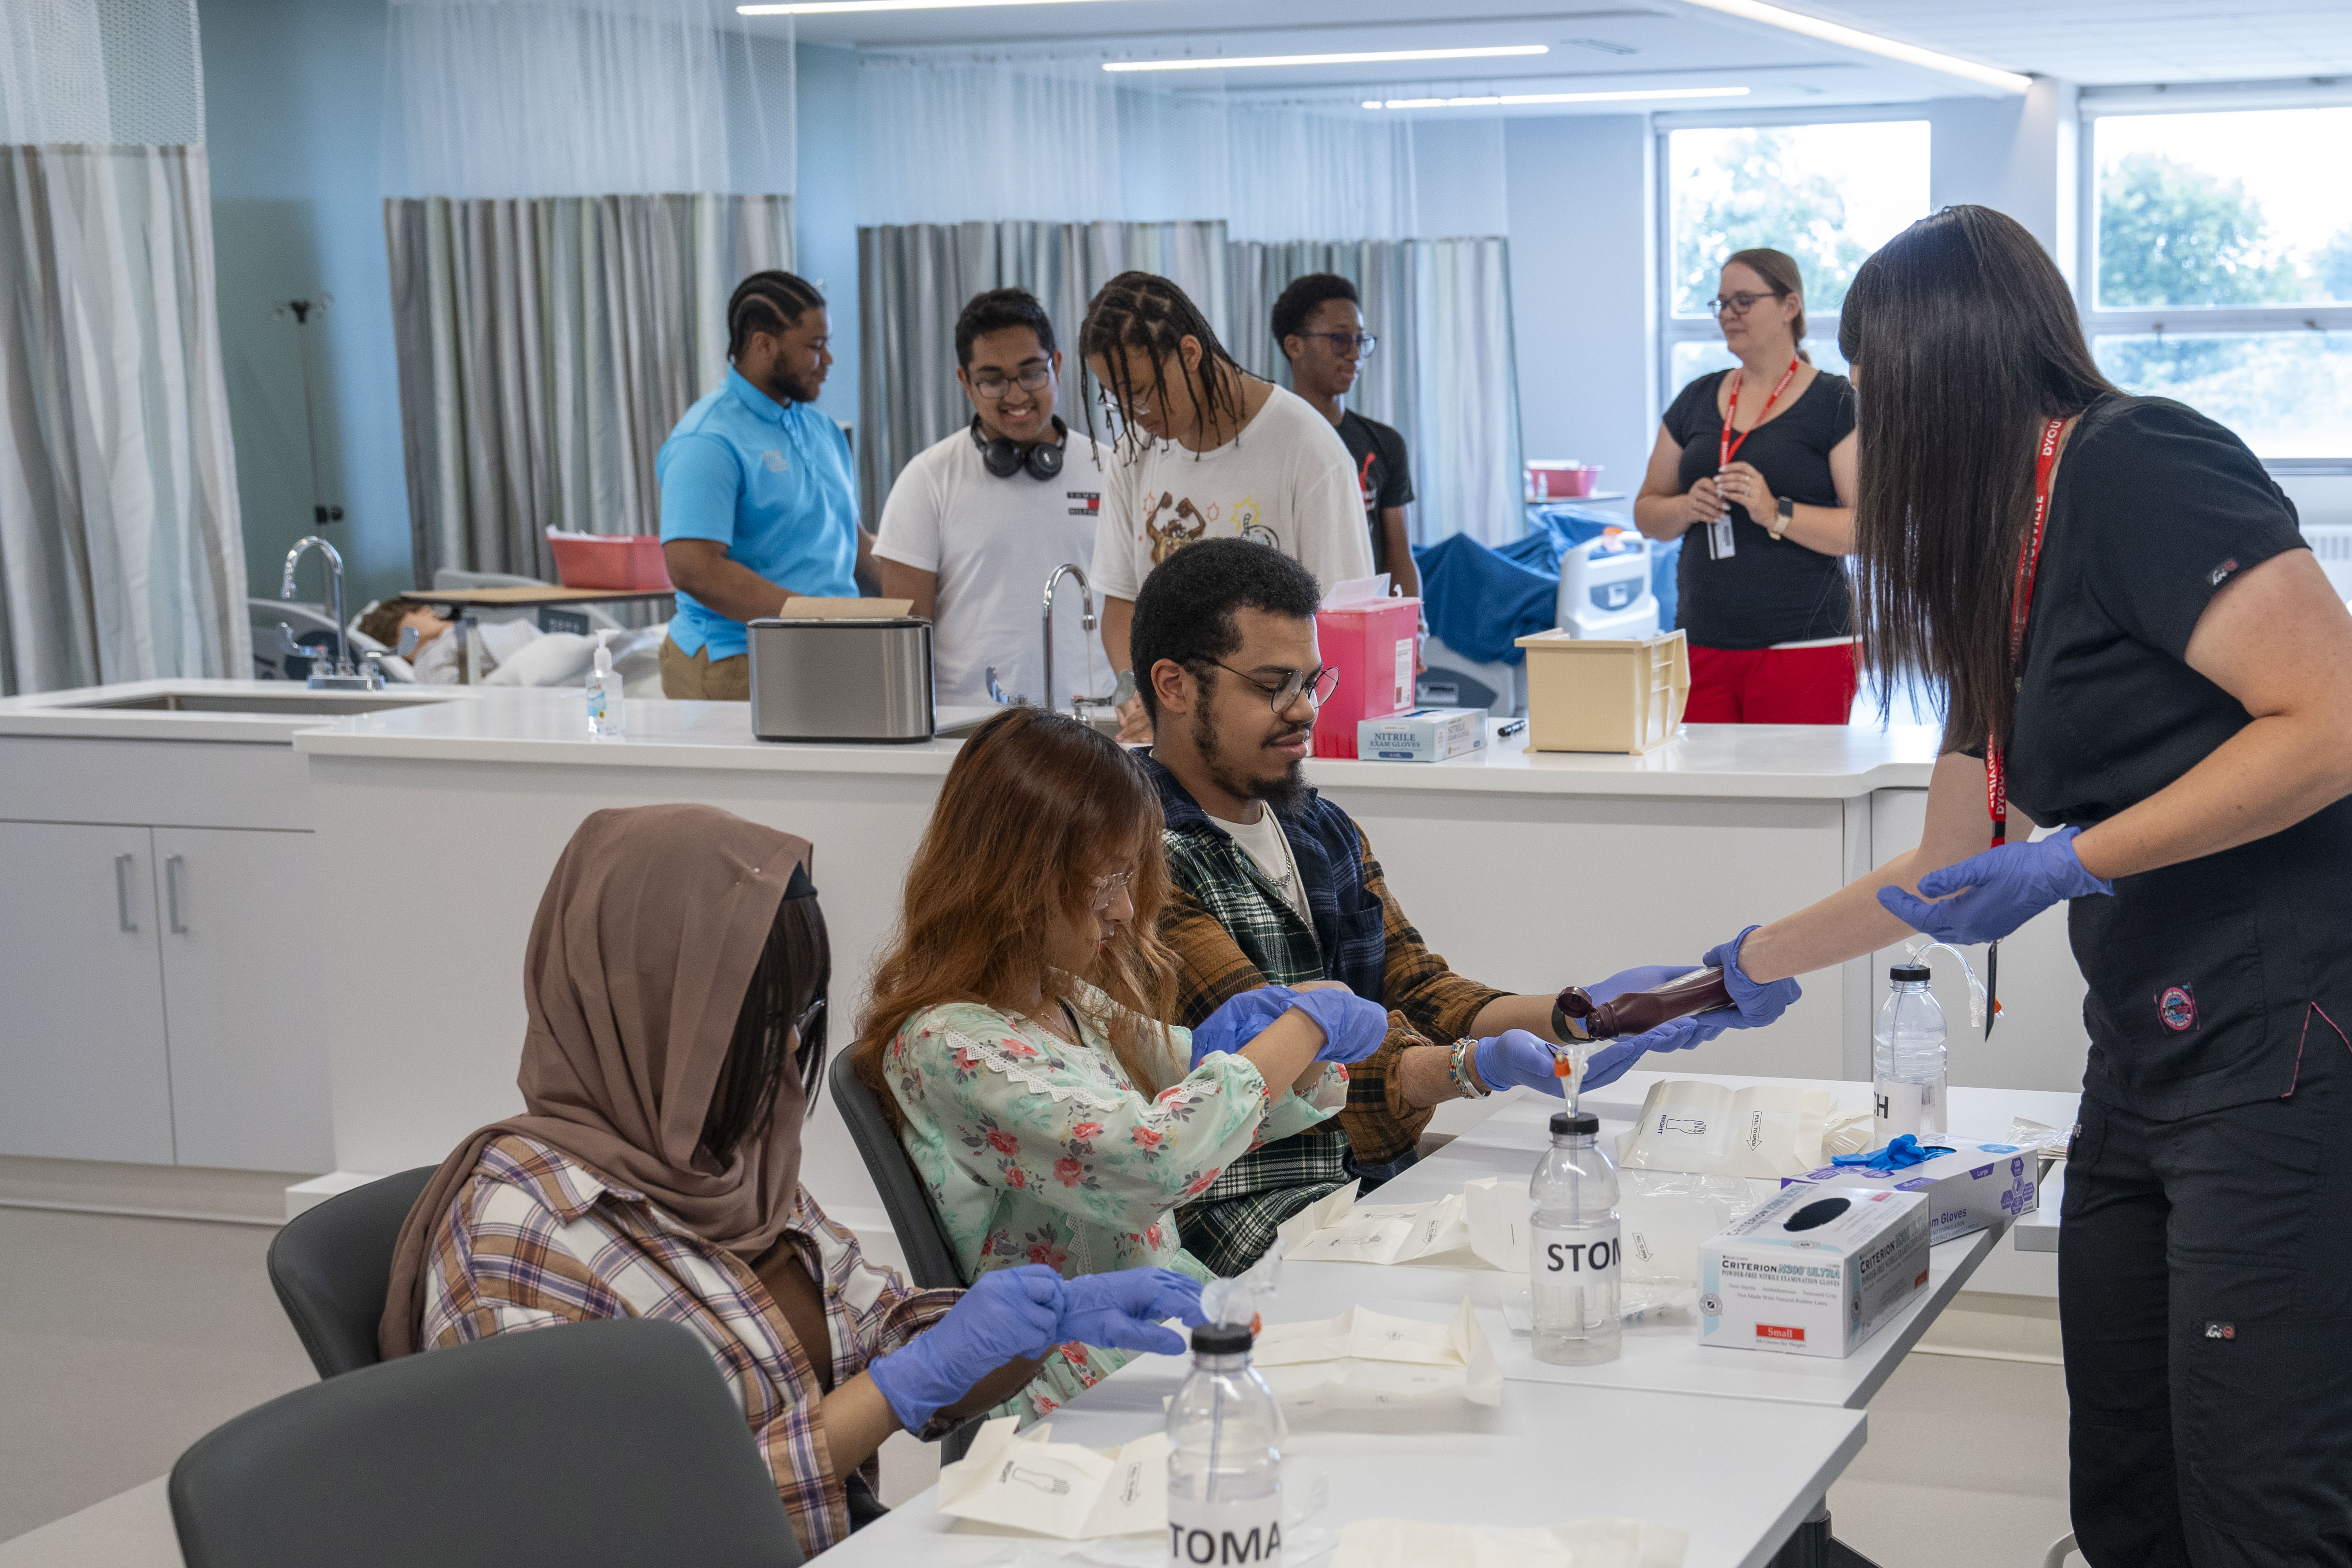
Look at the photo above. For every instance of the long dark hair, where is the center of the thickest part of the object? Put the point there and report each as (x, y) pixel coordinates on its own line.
(1144, 311)
(1964, 340)
(1035, 806)
(795, 969)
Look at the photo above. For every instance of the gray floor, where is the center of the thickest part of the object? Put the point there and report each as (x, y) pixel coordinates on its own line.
(121, 1340)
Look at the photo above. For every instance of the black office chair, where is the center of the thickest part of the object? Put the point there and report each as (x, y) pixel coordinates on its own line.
(332, 1265)
(602, 1445)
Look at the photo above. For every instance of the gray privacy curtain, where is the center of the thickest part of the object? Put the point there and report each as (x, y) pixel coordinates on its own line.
(547, 346)
(121, 556)
(913, 280)
(1443, 373)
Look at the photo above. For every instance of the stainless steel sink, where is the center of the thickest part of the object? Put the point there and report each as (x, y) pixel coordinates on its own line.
(295, 703)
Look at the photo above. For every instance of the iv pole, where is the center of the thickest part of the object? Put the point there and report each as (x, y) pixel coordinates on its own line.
(301, 310)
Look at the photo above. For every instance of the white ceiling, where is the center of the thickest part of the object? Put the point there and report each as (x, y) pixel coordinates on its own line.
(1667, 43)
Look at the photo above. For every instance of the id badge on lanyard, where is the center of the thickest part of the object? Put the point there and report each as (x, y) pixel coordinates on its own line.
(2020, 608)
(1720, 543)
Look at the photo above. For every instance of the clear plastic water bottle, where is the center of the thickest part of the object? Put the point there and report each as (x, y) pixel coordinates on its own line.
(1572, 1239)
(607, 706)
(1225, 1434)
(1906, 1070)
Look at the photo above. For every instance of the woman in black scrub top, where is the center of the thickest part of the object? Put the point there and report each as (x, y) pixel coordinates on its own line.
(2139, 652)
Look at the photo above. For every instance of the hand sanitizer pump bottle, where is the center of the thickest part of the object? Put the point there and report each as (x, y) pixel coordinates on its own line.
(606, 712)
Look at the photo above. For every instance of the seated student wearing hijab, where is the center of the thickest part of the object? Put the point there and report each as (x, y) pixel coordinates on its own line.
(1015, 1035)
(675, 984)
(977, 521)
(1270, 883)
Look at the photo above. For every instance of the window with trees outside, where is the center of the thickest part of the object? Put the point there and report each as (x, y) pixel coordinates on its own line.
(1828, 194)
(2218, 270)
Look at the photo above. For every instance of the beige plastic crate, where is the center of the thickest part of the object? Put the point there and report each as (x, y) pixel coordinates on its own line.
(1602, 695)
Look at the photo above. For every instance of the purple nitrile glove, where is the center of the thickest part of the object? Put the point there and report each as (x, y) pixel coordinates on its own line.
(1005, 1316)
(1644, 978)
(1352, 1027)
(1753, 1005)
(1240, 1020)
(1615, 1059)
(1125, 1310)
(1987, 896)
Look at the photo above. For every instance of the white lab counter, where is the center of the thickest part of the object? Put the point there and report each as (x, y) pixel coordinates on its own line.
(439, 827)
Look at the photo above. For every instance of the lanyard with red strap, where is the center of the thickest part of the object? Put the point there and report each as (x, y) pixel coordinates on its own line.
(1726, 449)
(2021, 607)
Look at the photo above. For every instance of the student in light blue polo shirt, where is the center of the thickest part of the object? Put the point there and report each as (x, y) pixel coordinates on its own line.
(758, 501)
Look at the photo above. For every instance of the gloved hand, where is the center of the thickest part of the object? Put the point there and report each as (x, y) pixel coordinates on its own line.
(1352, 1027)
(1006, 1315)
(1124, 1310)
(1756, 1005)
(1241, 1020)
(2005, 888)
(1615, 1059)
(1641, 979)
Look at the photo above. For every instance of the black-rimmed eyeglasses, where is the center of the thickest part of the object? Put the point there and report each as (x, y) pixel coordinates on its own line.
(1317, 683)
(1737, 305)
(1362, 343)
(1032, 378)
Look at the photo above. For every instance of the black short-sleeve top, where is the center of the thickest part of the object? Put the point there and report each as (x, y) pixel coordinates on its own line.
(1767, 590)
(1384, 474)
(2201, 974)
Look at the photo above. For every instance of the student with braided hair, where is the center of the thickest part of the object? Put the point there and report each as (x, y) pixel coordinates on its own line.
(758, 500)
(1202, 450)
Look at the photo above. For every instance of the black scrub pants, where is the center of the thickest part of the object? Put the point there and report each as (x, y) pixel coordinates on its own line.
(2205, 1295)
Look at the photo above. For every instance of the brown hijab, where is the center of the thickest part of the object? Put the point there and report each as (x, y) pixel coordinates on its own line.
(640, 956)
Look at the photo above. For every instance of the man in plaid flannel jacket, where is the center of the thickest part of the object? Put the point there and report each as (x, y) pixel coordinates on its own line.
(1222, 632)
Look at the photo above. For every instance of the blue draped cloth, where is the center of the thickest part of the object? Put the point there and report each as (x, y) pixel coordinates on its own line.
(1479, 601)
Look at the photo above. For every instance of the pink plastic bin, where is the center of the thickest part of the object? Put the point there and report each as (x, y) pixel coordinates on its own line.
(1373, 645)
(1561, 481)
(609, 560)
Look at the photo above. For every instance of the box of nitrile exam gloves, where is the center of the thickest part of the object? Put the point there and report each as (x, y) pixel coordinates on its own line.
(1421, 735)
(1812, 1270)
(1974, 1187)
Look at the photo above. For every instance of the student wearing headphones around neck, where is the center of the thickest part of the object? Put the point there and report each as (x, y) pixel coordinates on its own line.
(976, 523)
(759, 502)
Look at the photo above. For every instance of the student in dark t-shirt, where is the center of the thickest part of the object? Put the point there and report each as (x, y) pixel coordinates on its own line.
(1769, 508)
(1320, 323)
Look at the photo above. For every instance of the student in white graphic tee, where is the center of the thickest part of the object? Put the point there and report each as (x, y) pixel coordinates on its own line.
(978, 522)
(1205, 450)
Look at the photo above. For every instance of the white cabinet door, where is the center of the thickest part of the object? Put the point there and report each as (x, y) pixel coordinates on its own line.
(244, 999)
(83, 1069)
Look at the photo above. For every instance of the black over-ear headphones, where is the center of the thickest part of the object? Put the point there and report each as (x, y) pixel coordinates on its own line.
(1003, 457)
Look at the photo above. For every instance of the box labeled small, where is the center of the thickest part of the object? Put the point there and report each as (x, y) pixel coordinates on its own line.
(1975, 1186)
(1421, 735)
(1814, 1270)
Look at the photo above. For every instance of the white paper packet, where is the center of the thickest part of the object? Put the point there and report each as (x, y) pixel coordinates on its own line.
(1363, 1359)
(1025, 1481)
(1585, 1544)
(1707, 1129)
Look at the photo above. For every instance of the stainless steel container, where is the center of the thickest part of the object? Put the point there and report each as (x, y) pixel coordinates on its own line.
(842, 679)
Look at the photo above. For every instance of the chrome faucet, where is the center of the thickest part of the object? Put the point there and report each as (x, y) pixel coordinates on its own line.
(338, 673)
(1087, 622)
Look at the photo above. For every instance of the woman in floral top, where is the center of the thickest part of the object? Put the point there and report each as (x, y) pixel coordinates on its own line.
(1014, 1032)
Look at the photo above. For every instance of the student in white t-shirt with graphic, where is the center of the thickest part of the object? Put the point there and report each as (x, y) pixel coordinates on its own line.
(978, 522)
(1204, 450)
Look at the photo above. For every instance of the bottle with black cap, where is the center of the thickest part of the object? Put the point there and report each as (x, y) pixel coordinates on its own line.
(1907, 1068)
(1225, 1435)
(1572, 1237)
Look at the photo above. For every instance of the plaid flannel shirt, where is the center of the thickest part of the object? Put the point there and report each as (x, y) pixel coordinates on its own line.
(536, 1238)
(1232, 931)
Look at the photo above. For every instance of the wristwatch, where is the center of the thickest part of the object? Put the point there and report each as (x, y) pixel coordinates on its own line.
(1124, 692)
(1788, 515)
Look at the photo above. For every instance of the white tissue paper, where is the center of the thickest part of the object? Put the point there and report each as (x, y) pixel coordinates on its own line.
(1363, 1359)
(1357, 591)
(1586, 1543)
(1482, 1227)
(1024, 1481)
(1707, 1129)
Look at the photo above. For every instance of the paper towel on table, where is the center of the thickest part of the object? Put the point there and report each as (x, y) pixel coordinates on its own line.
(1586, 1543)
(1483, 1225)
(1363, 1359)
(1022, 1479)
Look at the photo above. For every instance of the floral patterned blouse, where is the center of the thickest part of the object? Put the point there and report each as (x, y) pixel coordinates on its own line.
(1040, 1151)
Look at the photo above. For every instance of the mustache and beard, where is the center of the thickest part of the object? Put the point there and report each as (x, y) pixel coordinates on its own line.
(1286, 792)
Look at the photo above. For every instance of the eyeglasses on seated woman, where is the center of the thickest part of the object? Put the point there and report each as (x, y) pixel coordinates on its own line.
(1018, 1033)
(675, 981)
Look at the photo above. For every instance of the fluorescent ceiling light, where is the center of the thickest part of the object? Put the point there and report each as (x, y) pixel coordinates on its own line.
(1854, 39)
(1360, 57)
(1490, 100)
(834, 7)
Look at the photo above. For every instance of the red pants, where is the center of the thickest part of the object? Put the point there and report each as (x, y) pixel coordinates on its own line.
(1773, 685)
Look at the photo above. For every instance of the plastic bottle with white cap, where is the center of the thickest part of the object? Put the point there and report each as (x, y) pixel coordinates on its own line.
(1573, 1272)
(1225, 1435)
(606, 712)
(1907, 1067)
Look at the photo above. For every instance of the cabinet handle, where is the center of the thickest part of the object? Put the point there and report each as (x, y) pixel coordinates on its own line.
(171, 864)
(122, 893)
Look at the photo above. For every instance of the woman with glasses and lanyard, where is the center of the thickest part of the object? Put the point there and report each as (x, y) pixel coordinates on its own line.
(1760, 460)
(675, 980)
(1017, 1037)
(2136, 651)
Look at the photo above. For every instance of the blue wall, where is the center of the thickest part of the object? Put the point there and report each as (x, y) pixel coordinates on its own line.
(293, 109)
(825, 210)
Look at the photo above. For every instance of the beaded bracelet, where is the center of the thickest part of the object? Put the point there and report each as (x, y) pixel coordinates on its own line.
(1463, 1072)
